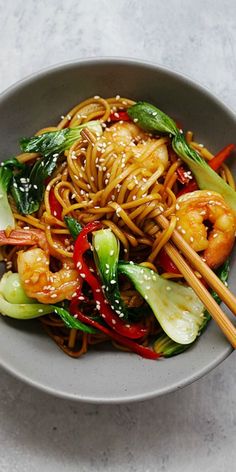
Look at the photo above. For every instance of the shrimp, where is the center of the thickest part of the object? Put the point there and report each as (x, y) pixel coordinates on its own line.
(123, 133)
(216, 239)
(129, 135)
(39, 282)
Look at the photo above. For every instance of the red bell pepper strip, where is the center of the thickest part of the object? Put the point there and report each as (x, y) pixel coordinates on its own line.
(183, 175)
(133, 331)
(220, 157)
(119, 116)
(190, 187)
(138, 348)
(166, 263)
(55, 205)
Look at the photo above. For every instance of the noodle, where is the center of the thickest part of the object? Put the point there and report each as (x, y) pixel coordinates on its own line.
(124, 178)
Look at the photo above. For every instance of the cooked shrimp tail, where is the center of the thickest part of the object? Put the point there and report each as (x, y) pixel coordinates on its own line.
(23, 237)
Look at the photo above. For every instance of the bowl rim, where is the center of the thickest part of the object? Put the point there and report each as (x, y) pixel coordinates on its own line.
(201, 372)
(186, 79)
(44, 71)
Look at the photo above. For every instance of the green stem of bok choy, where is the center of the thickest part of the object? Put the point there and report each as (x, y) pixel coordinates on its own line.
(15, 304)
(106, 255)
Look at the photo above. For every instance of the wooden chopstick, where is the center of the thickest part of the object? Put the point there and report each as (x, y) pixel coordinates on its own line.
(214, 309)
(215, 283)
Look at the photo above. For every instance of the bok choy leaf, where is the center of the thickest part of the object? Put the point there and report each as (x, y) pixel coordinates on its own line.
(57, 141)
(165, 346)
(176, 307)
(28, 184)
(6, 218)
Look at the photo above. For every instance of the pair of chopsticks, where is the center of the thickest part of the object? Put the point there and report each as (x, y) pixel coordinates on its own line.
(213, 281)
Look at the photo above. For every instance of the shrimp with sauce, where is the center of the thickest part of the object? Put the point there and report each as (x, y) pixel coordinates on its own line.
(36, 277)
(130, 136)
(216, 238)
(40, 282)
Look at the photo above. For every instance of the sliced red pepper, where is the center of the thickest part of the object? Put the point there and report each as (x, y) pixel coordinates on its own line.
(184, 176)
(119, 116)
(166, 263)
(133, 331)
(138, 348)
(55, 206)
(221, 156)
(190, 187)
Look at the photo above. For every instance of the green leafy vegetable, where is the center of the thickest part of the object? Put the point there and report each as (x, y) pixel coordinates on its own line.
(72, 322)
(15, 304)
(73, 225)
(13, 163)
(152, 119)
(28, 184)
(57, 141)
(106, 255)
(166, 346)
(6, 218)
(177, 308)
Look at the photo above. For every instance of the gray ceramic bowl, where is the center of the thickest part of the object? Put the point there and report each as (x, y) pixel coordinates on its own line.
(107, 376)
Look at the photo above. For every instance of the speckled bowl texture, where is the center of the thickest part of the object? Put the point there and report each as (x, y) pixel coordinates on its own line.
(105, 375)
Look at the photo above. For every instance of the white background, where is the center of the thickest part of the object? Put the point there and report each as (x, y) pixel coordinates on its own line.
(190, 430)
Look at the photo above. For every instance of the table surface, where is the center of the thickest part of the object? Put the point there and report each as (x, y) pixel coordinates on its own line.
(192, 429)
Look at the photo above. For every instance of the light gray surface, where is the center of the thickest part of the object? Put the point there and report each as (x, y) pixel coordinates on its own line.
(192, 429)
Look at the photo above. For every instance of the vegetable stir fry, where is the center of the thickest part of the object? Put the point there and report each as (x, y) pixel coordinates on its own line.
(80, 236)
